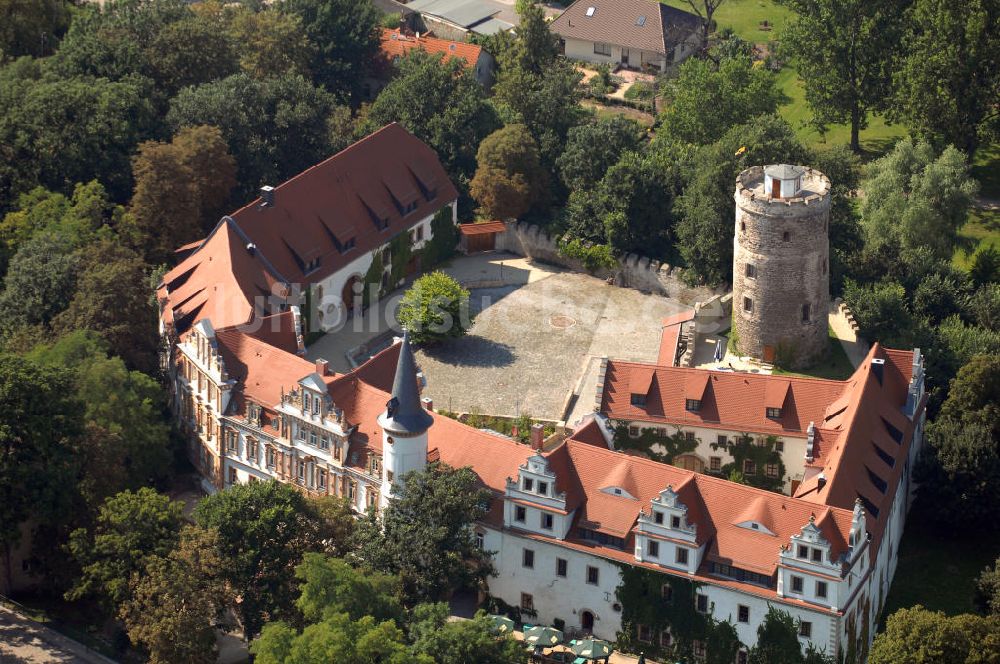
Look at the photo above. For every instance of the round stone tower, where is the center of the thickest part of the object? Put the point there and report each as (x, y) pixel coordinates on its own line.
(781, 264)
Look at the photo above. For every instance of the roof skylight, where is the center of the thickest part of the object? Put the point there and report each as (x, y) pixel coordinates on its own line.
(641, 21)
(591, 10)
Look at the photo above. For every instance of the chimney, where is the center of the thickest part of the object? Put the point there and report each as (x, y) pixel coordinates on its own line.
(322, 367)
(820, 482)
(266, 196)
(537, 436)
(878, 368)
(428, 403)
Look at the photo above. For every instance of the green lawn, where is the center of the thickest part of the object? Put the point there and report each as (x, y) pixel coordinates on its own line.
(745, 17)
(938, 571)
(981, 230)
(836, 365)
(986, 169)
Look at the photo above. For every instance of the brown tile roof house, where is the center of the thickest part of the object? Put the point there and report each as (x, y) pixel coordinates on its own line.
(313, 225)
(644, 25)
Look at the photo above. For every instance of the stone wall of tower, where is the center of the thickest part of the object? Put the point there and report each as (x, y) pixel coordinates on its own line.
(786, 243)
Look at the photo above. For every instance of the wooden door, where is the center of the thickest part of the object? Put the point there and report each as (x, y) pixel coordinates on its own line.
(775, 188)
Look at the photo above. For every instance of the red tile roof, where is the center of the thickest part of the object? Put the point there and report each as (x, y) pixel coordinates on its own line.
(222, 281)
(394, 44)
(734, 401)
(342, 199)
(672, 326)
(714, 504)
(483, 228)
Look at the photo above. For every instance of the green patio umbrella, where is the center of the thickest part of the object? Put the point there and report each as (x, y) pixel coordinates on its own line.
(542, 637)
(592, 649)
(502, 624)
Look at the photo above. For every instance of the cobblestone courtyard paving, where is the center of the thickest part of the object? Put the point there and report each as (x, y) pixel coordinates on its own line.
(532, 343)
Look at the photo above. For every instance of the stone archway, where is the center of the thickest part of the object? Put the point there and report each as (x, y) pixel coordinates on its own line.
(690, 462)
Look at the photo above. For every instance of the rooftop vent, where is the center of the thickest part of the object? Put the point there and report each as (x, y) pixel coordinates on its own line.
(591, 10)
(266, 196)
(641, 21)
(820, 482)
(251, 248)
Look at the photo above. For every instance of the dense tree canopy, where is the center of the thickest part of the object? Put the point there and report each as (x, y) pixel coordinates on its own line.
(440, 102)
(915, 197)
(58, 132)
(40, 283)
(987, 597)
(707, 99)
(32, 27)
(275, 127)
(461, 641)
(271, 43)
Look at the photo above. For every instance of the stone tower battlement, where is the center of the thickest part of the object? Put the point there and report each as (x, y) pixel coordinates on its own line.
(781, 275)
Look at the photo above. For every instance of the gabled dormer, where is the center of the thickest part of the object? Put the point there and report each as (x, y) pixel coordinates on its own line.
(532, 502)
(809, 569)
(665, 535)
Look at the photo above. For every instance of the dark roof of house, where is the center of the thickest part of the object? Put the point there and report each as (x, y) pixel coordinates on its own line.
(404, 412)
(352, 203)
(784, 171)
(642, 24)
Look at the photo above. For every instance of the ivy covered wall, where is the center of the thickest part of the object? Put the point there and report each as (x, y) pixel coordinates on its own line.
(644, 602)
(761, 451)
(673, 444)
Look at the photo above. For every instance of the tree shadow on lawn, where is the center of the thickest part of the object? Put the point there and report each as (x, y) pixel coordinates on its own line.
(471, 351)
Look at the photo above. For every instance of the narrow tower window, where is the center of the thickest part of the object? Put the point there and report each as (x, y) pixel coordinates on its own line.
(786, 236)
(751, 271)
(747, 304)
(805, 313)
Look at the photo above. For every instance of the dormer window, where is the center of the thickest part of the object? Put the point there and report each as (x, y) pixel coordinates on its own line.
(306, 401)
(658, 517)
(774, 413)
(639, 400)
(675, 522)
(692, 405)
(529, 484)
(543, 488)
(803, 552)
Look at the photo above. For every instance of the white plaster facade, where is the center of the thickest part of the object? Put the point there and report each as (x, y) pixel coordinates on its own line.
(635, 58)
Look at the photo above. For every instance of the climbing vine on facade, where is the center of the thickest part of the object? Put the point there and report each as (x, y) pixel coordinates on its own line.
(765, 469)
(668, 445)
(653, 603)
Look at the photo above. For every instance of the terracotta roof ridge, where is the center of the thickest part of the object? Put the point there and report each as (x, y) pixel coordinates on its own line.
(344, 151)
(700, 477)
(257, 250)
(813, 379)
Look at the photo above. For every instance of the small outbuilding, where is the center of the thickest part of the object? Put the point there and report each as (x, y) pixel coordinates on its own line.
(475, 238)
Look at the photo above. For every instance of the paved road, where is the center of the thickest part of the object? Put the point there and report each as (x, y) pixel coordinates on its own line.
(22, 640)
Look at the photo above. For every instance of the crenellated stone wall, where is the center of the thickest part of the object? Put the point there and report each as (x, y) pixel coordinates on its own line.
(632, 271)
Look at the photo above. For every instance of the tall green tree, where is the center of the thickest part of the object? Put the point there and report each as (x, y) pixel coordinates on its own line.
(987, 596)
(439, 102)
(705, 9)
(844, 50)
(709, 98)
(40, 281)
(38, 419)
(594, 147)
(948, 80)
(125, 441)
(509, 179)
(338, 638)
(916, 197)
(191, 51)
(112, 299)
(130, 529)
(331, 586)
(459, 642)
(264, 528)
(435, 308)
(426, 533)
(275, 127)
(174, 602)
(345, 34)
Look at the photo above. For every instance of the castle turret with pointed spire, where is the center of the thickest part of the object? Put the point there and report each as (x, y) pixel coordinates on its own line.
(404, 424)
